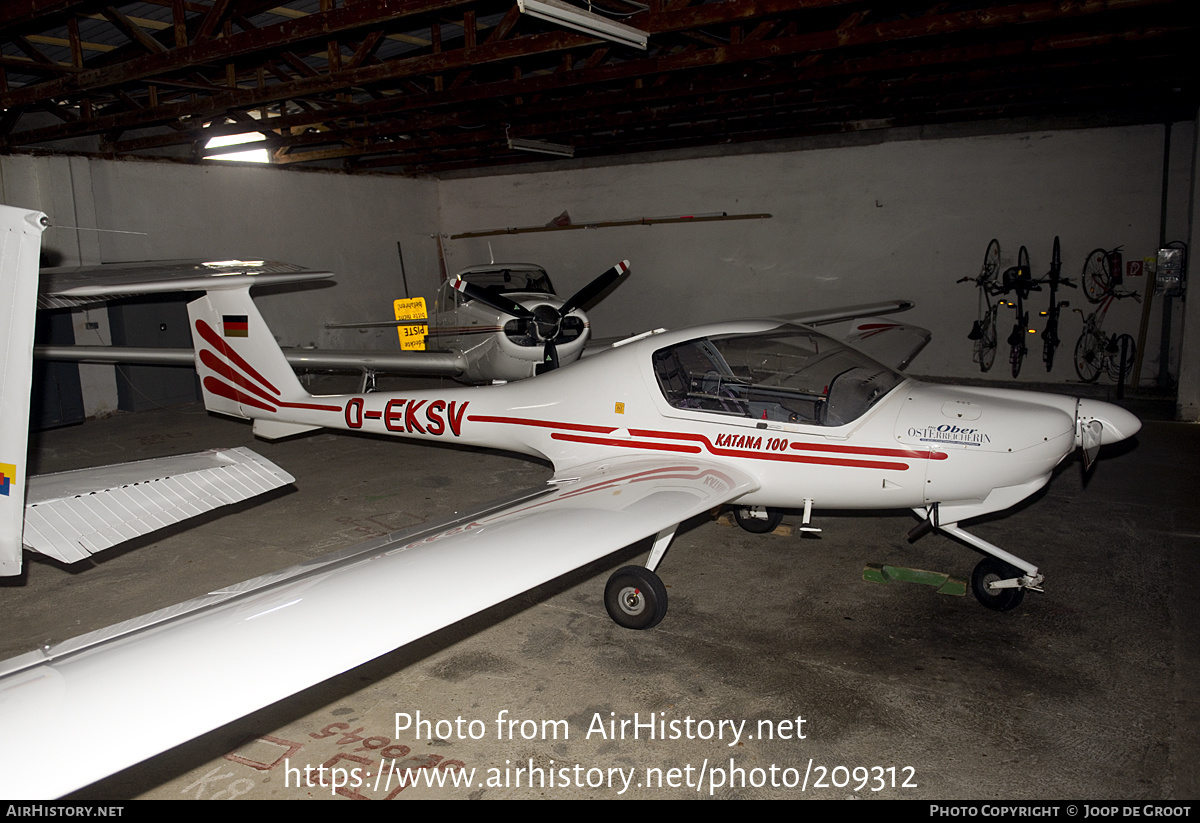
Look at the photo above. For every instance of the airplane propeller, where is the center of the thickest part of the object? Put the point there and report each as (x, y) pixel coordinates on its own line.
(1091, 435)
(545, 321)
(1098, 424)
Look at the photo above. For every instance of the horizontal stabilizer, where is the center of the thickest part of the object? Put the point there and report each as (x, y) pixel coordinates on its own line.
(69, 286)
(72, 515)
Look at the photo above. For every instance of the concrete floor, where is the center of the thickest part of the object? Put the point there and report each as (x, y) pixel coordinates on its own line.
(1085, 692)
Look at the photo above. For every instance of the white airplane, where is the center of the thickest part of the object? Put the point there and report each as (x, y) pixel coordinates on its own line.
(70, 516)
(759, 414)
(501, 322)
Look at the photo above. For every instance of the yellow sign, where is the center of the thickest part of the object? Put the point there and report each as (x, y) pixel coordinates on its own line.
(412, 338)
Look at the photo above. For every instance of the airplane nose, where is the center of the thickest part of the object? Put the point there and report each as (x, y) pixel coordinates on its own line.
(1116, 424)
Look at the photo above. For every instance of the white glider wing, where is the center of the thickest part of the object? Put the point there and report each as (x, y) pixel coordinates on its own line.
(71, 515)
(20, 244)
(69, 286)
(173, 668)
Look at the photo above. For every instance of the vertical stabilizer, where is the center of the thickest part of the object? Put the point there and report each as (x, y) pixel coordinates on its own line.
(242, 370)
(20, 246)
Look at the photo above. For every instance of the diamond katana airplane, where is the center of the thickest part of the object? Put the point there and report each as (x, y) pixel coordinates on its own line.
(762, 415)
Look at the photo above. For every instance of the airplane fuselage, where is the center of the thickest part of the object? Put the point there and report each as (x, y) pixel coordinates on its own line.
(972, 450)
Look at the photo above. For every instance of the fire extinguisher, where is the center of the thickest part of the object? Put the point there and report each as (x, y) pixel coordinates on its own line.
(1115, 266)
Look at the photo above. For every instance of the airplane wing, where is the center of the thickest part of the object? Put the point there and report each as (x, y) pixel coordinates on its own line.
(172, 668)
(822, 316)
(71, 515)
(20, 244)
(68, 286)
(75, 514)
(409, 362)
(891, 343)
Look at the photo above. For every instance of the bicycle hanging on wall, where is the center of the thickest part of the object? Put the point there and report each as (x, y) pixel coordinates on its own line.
(1098, 352)
(983, 330)
(1054, 279)
(1019, 280)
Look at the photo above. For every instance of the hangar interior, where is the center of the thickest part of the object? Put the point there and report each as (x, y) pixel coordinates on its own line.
(877, 148)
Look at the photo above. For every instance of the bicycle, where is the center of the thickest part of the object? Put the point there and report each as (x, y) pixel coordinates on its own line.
(1098, 278)
(983, 330)
(1054, 278)
(1019, 280)
(1098, 352)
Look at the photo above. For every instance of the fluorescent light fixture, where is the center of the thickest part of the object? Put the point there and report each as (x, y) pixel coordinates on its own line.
(541, 147)
(248, 156)
(585, 21)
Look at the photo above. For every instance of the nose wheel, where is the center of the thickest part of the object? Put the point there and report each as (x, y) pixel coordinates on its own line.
(987, 583)
(635, 598)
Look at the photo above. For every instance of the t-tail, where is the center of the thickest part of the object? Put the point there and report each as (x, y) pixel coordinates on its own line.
(243, 372)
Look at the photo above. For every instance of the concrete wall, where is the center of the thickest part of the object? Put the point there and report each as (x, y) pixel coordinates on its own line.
(320, 220)
(852, 224)
(902, 218)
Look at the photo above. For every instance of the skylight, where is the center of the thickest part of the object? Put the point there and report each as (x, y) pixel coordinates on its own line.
(248, 156)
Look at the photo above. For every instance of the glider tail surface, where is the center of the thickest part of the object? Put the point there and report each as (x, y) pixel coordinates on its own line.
(243, 372)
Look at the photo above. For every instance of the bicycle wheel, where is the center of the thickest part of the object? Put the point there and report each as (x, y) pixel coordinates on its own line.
(985, 345)
(1050, 341)
(1089, 352)
(1113, 361)
(991, 264)
(1097, 276)
(1017, 341)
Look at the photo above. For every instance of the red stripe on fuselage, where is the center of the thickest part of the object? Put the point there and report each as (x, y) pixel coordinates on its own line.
(542, 424)
(635, 444)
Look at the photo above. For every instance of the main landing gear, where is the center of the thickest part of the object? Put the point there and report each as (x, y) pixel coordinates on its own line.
(635, 596)
(1000, 580)
(758, 519)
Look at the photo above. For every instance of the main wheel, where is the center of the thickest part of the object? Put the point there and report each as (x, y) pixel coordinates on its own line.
(1097, 276)
(1088, 356)
(989, 571)
(758, 525)
(635, 598)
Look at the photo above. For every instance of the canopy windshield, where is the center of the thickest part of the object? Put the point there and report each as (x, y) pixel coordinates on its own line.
(789, 374)
(504, 280)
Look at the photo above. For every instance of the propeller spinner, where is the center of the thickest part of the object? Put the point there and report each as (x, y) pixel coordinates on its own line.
(544, 321)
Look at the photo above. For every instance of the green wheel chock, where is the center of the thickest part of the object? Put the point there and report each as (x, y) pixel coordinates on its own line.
(944, 583)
